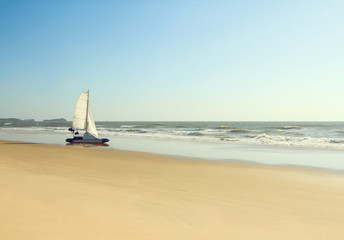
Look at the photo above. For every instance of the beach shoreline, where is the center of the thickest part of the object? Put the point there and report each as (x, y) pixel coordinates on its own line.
(197, 157)
(60, 192)
(330, 159)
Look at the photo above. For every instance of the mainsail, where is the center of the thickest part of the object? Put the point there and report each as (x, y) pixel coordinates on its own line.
(83, 118)
(79, 120)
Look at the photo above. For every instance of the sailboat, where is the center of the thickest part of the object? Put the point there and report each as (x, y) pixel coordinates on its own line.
(83, 120)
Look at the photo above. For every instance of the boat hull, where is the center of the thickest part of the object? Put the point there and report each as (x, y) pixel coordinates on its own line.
(88, 141)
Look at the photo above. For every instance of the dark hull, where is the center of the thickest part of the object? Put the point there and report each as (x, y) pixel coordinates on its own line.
(87, 141)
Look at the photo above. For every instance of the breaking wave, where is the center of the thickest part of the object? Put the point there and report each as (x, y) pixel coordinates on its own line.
(310, 135)
(239, 131)
(290, 127)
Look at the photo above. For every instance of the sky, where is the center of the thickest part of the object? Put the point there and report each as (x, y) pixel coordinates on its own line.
(258, 60)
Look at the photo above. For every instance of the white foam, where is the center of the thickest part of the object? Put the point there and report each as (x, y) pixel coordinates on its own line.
(292, 136)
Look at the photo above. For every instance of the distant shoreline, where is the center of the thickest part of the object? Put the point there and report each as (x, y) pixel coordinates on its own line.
(32, 120)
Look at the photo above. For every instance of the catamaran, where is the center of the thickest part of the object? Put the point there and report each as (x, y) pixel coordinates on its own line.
(83, 120)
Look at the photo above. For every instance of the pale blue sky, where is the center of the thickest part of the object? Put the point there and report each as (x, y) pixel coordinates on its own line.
(173, 60)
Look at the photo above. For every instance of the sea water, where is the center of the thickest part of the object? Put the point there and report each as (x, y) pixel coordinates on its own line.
(316, 144)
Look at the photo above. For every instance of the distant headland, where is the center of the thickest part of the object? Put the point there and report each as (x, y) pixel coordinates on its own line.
(55, 120)
(31, 120)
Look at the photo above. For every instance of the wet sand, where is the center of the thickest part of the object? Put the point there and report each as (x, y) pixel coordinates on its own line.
(64, 192)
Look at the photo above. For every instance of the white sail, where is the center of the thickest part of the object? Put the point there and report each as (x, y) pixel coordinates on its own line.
(80, 114)
(83, 120)
(91, 127)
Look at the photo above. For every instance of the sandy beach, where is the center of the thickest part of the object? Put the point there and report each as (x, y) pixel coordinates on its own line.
(64, 192)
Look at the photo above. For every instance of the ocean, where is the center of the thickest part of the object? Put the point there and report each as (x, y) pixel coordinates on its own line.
(288, 143)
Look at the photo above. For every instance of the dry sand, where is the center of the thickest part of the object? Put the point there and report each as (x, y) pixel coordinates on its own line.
(57, 192)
